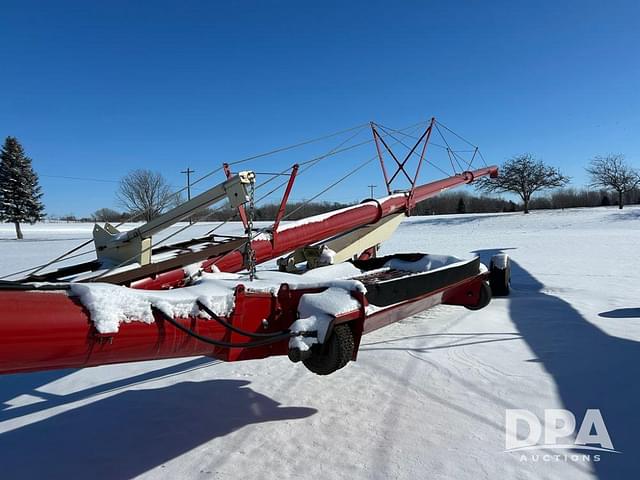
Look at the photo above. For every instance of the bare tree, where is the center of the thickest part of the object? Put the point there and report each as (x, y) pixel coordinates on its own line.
(523, 175)
(106, 215)
(613, 172)
(145, 193)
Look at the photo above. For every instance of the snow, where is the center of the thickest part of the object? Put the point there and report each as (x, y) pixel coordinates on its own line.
(316, 311)
(322, 216)
(426, 398)
(427, 263)
(500, 260)
(111, 305)
(44, 241)
(337, 276)
(326, 256)
(313, 219)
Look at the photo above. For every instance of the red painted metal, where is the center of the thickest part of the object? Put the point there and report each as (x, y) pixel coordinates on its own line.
(370, 252)
(321, 227)
(381, 158)
(162, 281)
(400, 164)
(283, 202)
(427, 134)
(465, 292)
(411, 201)
(48, 330)
(316, 229)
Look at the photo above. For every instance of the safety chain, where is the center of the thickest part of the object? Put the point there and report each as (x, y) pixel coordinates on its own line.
(249, 252)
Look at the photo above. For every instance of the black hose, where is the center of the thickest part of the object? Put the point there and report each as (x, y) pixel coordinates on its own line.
(220, 343)
(233, 328)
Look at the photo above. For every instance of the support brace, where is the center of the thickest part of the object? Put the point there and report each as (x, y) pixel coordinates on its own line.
(347, 246)
(115, 247)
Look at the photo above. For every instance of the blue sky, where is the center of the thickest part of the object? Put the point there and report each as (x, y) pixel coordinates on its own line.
(95, 89)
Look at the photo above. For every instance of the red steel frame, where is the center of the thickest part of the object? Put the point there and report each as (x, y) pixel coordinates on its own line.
(53, 330)
(45, 330)
(424, 137)
(283, 202)
(309, 231)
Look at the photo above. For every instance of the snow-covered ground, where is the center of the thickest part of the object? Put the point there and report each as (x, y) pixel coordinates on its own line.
(426, 398)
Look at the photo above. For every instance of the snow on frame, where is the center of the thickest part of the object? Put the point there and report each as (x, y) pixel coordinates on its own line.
(316, 311)
(323, 216)
(110, 305)
(426, 263)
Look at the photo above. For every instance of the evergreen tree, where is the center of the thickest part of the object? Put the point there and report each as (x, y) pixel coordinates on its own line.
(605, 201)
(19, 190)
(462, 208)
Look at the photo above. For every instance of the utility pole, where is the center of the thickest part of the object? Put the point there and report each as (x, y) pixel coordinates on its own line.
(188, 171)
(371, 187)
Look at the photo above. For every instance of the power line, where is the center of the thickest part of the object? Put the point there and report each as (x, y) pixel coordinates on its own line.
(82, 179)
(105, 180)
(188, 171)
(310, 163)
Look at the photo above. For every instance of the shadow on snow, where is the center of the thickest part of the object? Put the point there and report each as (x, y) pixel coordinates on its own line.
(591, 369)
(127, 434)
(17, 384)
(453, 220)
(451, 340)
(621, 313)
(626, 215)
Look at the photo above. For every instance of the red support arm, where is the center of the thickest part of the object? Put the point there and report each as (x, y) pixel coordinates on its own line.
(283, 203)
(315, 229)
(321, 227)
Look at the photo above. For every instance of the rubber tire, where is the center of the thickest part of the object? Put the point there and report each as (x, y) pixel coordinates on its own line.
(334, 354)
(499, 279)
(485, 297)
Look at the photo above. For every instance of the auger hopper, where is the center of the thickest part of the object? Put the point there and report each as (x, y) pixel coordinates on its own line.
(207, 296)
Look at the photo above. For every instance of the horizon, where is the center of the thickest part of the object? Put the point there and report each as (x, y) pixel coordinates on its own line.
(99, 90)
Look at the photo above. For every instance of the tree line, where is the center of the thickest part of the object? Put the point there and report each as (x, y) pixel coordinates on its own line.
(445, 203)
(294, 211)
(144, 194)
(524, 175)
(464, 202)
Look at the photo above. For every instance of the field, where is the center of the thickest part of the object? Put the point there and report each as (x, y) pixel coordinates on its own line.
(426, 398)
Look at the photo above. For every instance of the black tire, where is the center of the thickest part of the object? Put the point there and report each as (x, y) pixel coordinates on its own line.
(499, 279)
(334, 354)
(485, 297)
